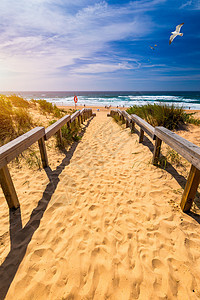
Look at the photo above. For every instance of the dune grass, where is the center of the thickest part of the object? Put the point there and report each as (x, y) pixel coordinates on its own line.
(14, 119)
(117, 119)
(18, 101)
(169, 116)
(49, 108)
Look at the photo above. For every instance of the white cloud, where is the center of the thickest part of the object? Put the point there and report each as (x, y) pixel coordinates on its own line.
(42, 36)
(191, 4)
(188, 3)
(106, 67)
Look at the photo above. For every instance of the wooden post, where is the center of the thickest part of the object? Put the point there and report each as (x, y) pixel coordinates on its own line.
(68, 125)
(132, 126)
(141, 135)
(43, 152)
(59, 135)
(79, 120)
(72, 125)
(190, 189)
(8, 188)
(156, 152)
(127, 123)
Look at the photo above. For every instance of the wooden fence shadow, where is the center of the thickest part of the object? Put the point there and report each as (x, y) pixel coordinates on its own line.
(20, 237)
(181, 180)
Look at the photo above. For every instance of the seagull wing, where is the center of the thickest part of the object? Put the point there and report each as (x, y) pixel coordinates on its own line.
(172, 38)
(178, 27)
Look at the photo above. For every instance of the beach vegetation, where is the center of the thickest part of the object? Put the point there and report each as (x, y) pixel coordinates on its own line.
(69, 134)
(23, 121)
(171, 157)
(33, 159)
(18, 101)
(48, 108)
(168, 116)
(117, 119)
(14, 120)
(6, 121)
(190, 118)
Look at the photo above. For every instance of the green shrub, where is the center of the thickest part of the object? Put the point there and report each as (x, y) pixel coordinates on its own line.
(171, 157)
(169, 116)
(190, 119)
(45, 106)
(69, 135)
(58, 113)
(117, 119)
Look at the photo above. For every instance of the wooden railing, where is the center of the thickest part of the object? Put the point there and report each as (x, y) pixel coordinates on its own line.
(56, 127)
(131, 120)
(188, 150)
(12, 149)
(144, 127)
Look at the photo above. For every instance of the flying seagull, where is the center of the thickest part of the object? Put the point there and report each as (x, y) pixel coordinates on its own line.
(153, 48)
(176, 32)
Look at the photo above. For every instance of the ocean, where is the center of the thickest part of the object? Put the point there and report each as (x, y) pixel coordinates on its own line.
(186, 100)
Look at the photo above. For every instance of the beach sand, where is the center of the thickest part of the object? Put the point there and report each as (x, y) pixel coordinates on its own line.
(94, 108)
(101, 223)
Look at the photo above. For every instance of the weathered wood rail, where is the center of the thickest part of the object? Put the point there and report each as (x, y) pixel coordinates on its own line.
(56, 127)
(12, 149)
(131, 120)
(144, 127)
(188, 150)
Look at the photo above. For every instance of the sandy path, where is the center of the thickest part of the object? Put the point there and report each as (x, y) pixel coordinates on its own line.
(112, 228)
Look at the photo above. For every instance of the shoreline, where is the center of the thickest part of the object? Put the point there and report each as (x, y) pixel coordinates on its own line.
(102, 108)
(94, 108)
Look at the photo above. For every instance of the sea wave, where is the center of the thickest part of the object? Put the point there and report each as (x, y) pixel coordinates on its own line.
(182, 99)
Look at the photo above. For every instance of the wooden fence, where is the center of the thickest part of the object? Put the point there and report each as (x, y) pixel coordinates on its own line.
(12, 149)
(188, 150)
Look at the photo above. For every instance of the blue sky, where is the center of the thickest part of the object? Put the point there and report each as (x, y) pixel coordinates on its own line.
(99, 45)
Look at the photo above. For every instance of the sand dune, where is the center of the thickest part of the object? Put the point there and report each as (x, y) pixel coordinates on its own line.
(108, 225)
